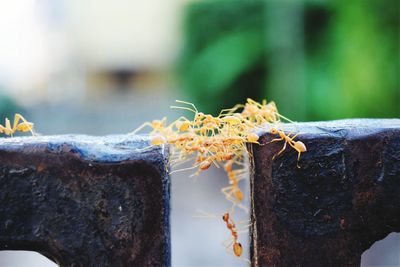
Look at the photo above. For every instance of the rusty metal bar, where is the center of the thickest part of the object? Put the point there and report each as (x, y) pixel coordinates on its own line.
(343, 198)
(86, 201)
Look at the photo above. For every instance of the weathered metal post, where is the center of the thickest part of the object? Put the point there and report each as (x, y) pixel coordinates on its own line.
(86, 201)
(343, 198)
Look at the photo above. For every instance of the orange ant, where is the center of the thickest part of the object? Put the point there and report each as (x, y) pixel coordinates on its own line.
(233, 188)
(17, 126)
(236, 246)
(156, 125)
(299, 146)
(234, 231)
(205, 124)
(261, 113)
(252, 138)
(166, 132)
(198, 116)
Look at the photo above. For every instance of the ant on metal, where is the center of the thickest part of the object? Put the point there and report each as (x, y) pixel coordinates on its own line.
(299, 146)
(24, 126)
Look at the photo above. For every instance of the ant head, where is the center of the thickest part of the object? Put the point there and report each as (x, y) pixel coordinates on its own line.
(200, 115)
(273, 130)
(225, 217)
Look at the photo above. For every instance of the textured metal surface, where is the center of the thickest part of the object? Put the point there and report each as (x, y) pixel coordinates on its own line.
(343, 198)
(84, 200)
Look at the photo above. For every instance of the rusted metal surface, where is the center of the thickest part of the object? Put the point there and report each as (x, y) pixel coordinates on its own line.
(86, 201)
(344, 197)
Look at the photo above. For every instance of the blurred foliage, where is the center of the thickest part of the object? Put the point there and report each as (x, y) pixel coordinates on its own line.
(317, 59)
(223, 56)
(354, 64)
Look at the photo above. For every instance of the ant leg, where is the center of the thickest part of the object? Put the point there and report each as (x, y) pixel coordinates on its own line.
(292, 138)
(178, 161)
(241, 177)
(280, 151)
(204, 215)
(16, 121)
(253, 102)
(141, 127)
(187, 103)
(194, 110)
(216, 164)
(260, 120)
(2, 129)
(227, 245)
(228, 191)
(234, 201)
(283, 117)
(242, 231)
(298, 151)
(244, 225)
(275, 140)
(232, 209)
(8, 128)
(298, 159)
(195, 175)
(230, 110)
(241, 206)
(184, 169)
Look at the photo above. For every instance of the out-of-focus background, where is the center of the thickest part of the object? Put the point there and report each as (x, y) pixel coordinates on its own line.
(103, 67)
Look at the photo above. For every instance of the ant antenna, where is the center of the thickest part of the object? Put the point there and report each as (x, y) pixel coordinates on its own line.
(283, 117)
(194, 110)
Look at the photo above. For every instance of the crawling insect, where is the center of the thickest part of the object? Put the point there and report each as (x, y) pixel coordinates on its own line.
(236, 246)
(156, 125)
(203, 124)
(232, 242)
(233, 189)
(20, 124)
(299, 146)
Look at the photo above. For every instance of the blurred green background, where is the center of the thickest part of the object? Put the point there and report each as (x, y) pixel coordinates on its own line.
(317, 60)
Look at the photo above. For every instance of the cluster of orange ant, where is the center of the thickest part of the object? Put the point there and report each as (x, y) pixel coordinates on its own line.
(221, 140)
(20, 124)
